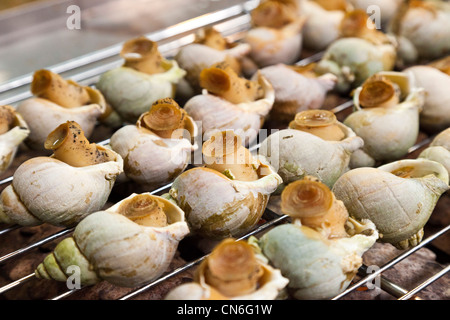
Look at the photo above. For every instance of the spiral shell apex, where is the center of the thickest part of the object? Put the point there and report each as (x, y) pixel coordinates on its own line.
(129, 244)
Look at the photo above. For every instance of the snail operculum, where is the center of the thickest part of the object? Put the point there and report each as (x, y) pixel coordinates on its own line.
(321, 123)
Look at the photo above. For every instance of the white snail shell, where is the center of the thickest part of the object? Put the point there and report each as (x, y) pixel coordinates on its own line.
(439, 149)
(195, 57)
(384, 139)
(48, 190)
(321, 27)
(435, 115)
(107, 245)
(271, 46)
(317, 268)
(295, 92)
(424, 32)
(149, 159)
(130, 92)
(398, 206)
(217, 114)
(353, 60)
(10, 140)
(326, 160)
(43, 116)
(216, 206)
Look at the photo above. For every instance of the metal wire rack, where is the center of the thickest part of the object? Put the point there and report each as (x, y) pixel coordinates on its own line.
(232, 22)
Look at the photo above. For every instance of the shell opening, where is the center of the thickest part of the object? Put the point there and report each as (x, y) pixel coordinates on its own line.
(442, 64)
(321, 123)
(212, 38)
(232, 268)
(164, 118)
(144, 210)
(306, 198)
(332, 5)
(314, 204)
(143, 55)
(274, 14)
(225, 153)
(66, 93)
(222, 80)
(379, 92)
(7, 118)
(70, 145)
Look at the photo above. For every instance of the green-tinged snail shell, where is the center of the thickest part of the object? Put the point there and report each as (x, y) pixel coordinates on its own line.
(233, 271)
(158, 147)
(62, 189)
(231, 102)
(56, 101)
(229, 202)
(13, 131)
(439, 149)
(324, 159)
(128, 245)
(320, 252)
(380, 104)
(354, 59)
(398, 197)
(145, 77)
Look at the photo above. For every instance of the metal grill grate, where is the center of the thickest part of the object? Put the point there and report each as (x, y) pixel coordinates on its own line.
(232, 22)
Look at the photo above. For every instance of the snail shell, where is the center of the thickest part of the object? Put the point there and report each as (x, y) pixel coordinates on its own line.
(439, 149)
(217, 206)
(353, 60)
(14, 130)
(398, 205)
(108, 245)
(233, 267)
(45, 189)
(423, 31)
(43, 115)
(152, 160)
(326, 160)
(218, 114)
(384, 139)
(435, 115)
(317, 267)
(322, 26)
(295, 92)
(387, 8)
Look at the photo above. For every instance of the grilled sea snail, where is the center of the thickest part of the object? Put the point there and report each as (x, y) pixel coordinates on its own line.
(381, 103)
(145, 77)
(13, 131)
(56, 101)
(227, 196)
(322, 25)
(422, 29)
(398, 197)
(320, 252)
(358, 54)
(276, 33)
(296, 89)
(439, 149)
(128, 245)
(233, 271)
(231, 102)
(209, 48)
(325, 144)
(435, 115)
(158, 147)
(62, 189)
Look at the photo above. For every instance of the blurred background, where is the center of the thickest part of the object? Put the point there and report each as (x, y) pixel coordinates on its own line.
(34, 33)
